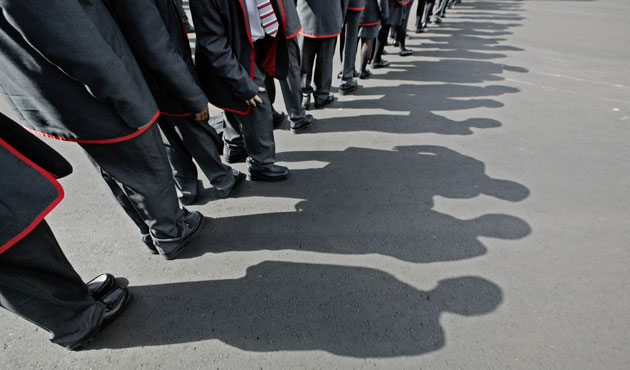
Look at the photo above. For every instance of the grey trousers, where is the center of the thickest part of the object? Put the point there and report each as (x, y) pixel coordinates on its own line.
(188, 139)
(38, 283)
(290, 86)
(351, 28)
(252, 133)
(141, 167)
(323, 49)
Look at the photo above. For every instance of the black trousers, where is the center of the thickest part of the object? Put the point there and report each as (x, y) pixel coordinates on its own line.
(317, 54)
(350, 37)
(141, 167)
(252, 132)
(38, 283)
(187, 139)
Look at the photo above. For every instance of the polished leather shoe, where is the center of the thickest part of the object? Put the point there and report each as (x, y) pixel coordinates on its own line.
(329, 99)
(272, 174)
(100, 285)
(170, 248)
(347, 87)
(115, 302)
(366, 73)
(380, 64)
(405, 52)
(299, 125)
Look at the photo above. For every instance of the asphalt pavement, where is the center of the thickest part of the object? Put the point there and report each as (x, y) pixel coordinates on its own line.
(466, 208)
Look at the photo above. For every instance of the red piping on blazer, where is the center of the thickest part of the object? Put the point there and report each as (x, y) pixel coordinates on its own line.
(50, 177)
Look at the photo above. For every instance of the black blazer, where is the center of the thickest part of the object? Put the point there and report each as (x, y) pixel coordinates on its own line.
(225, 55)
(158, 40)
(28, 186)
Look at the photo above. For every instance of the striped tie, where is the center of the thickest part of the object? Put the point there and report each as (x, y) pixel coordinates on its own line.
(267, 17)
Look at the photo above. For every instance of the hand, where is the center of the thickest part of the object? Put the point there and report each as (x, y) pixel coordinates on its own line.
(203, 115)
(256, 99)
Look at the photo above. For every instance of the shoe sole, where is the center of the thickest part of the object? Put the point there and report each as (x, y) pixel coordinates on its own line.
(296, 130)
(173, 254)
(251, 177)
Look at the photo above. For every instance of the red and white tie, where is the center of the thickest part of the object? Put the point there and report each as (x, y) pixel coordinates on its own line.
(267, 17)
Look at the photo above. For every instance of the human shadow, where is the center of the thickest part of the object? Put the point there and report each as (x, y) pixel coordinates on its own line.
(283, 306)
(368, 201)
(412, 109)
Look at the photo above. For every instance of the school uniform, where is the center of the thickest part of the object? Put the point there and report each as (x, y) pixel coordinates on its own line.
(82, 84)
(232, 63)
(395, 20)
(375, 11)
(290, 86)
(351, 30)
(321, 24)
(36, 280)
(154, 31)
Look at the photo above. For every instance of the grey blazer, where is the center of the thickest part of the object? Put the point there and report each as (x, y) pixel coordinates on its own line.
(67, 71)
(322, 18)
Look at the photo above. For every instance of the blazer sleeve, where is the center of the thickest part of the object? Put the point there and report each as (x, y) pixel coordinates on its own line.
(213, 44)
(81, 52)
(151, 43)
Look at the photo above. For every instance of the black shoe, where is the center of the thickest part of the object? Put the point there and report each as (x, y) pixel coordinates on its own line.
(365, 74)
(230, 156)
(170, 248)
(419, 30)
(355, 74)
(347, 87)
(301, 124)
(115, 303)
(397, 43)
(278, 118)
(380, 64)
(329, 99)
(100, 285)
(405, 52)
(272, 174)
(189, 28)
(306, 101)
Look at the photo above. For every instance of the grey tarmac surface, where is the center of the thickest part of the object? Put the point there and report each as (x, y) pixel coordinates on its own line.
(466, 208)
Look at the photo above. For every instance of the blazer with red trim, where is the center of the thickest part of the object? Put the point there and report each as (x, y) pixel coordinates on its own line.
(322, 18)
(356, 5)
(225, 55)
(67, 71)
(291, 16)
(28, 186)
(158, 40)
(375, 11)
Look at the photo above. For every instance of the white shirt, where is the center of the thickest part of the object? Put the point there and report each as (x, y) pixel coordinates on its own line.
(255, 24)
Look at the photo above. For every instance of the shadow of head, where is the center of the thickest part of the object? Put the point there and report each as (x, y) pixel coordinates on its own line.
(281, 306)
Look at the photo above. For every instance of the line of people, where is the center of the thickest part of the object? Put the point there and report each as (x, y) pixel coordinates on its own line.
(118, 78)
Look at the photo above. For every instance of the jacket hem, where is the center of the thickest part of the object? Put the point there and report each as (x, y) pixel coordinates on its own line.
(38, 219)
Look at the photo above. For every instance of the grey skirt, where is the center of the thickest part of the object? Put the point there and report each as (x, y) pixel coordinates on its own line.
(369, 32)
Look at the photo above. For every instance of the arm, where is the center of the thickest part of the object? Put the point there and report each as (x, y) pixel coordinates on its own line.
(146, 33)
(215, 49)
(62, 33)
